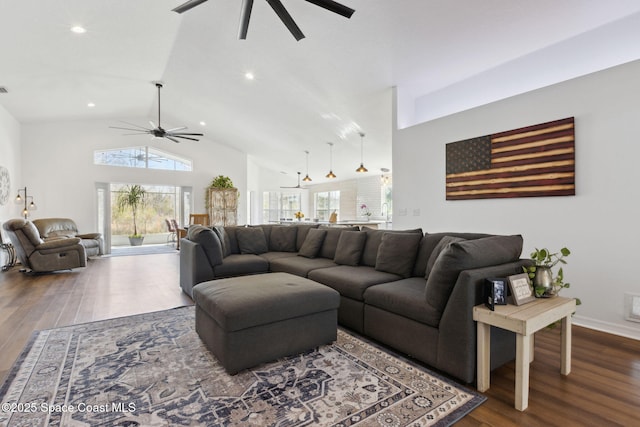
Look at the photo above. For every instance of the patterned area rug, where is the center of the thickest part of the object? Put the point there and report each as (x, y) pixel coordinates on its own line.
(153, 370)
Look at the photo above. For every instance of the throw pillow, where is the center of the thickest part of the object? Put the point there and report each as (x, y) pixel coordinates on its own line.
(397, 253)
(466, 255)
(209, 242)
(436, 251)
(224, 239)
(251, 240)
(283, 239)
(349, 249)
(312, 243)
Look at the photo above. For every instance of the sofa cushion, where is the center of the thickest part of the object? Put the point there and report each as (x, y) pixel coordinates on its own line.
(465, 255)
(283, 239)
(349, 249)
(397, 253)
(374, 239)
(351, 281)
(330, 243)
(403, 297)
(303, 230)
(228, 239)
(439, 248)
(312, 243)
(300, 266)
(251, 240)
(428, 244)
(238, 265)
(209, 241)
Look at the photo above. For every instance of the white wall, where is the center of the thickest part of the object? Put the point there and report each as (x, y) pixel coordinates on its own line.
(10, 155)
(59, 171)
(599, 224)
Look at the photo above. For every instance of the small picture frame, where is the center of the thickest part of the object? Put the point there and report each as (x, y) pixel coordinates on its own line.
(495, 292)
(521, 291)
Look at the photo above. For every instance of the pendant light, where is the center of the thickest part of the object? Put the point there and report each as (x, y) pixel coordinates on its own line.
(362, 168)
(307, 178)
(330, 174)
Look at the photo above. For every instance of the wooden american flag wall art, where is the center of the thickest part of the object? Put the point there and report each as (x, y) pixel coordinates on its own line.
(533, 161)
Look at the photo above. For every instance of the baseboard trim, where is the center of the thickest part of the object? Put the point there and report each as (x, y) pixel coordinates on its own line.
(609, 327)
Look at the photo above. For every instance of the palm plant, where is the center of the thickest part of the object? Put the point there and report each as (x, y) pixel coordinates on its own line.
(132, 197)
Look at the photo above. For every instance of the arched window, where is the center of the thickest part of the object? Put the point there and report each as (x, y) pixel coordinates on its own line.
(142, 157)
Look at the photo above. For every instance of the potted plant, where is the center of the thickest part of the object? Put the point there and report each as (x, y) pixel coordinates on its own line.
(365, 212)
(541, 275)
(132, 197)
(220, 182)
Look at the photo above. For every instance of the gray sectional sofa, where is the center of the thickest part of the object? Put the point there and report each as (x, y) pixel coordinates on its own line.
(410, 290)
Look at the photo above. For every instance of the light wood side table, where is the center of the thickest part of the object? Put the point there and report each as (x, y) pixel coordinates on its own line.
(525, 321)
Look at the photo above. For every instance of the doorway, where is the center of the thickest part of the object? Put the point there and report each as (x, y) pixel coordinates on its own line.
(161, 202)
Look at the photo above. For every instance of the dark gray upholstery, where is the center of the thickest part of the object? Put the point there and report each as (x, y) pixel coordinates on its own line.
(246, 321)
(239, 265)
(283, 239)
(300, 266)
(397, 253)
(391, 308)
(374, 239)
(208, 241)
(312, 243)
(349, 248)
(251, 240)
(466, 255)
(443, 243)
(351, 281)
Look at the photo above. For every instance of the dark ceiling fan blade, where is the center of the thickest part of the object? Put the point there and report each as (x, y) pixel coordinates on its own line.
(141, 131)
(170, 138)
(184, 133)
(334, 7)
(245, 15)
(188, 5)
(183, 137)
(286, 19)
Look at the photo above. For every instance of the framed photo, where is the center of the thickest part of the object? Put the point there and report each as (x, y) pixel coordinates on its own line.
(495, 292)
(520, 289)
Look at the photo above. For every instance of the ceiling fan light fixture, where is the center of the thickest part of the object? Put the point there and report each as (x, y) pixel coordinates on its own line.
(362, 168)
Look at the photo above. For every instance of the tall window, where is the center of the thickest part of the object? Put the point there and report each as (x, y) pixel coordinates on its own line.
(141, 157)
(278, 206)
(325, 203)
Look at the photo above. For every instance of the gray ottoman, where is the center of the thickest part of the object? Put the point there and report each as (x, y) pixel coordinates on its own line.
(248, 320)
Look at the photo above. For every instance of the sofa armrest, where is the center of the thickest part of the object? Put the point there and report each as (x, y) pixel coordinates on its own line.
(194, 266)
(94, 236)
(58, 243)
(457, 329)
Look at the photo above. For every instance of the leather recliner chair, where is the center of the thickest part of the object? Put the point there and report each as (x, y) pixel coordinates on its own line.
(39, 256)
(61, 228)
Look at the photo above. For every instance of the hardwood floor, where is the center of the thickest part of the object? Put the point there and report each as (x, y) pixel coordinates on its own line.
(603, 388)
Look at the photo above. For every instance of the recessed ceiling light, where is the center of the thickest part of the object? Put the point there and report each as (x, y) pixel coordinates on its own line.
(203, 123)
(249, 75)
(78, 29)
(91, 105)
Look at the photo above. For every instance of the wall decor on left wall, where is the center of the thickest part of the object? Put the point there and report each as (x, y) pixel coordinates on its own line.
(5, 185)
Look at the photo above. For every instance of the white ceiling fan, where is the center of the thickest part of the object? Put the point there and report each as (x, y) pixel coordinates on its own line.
(158, 131)
(299, 187)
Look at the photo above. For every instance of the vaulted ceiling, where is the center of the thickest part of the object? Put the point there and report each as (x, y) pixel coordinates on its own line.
(328, 87)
